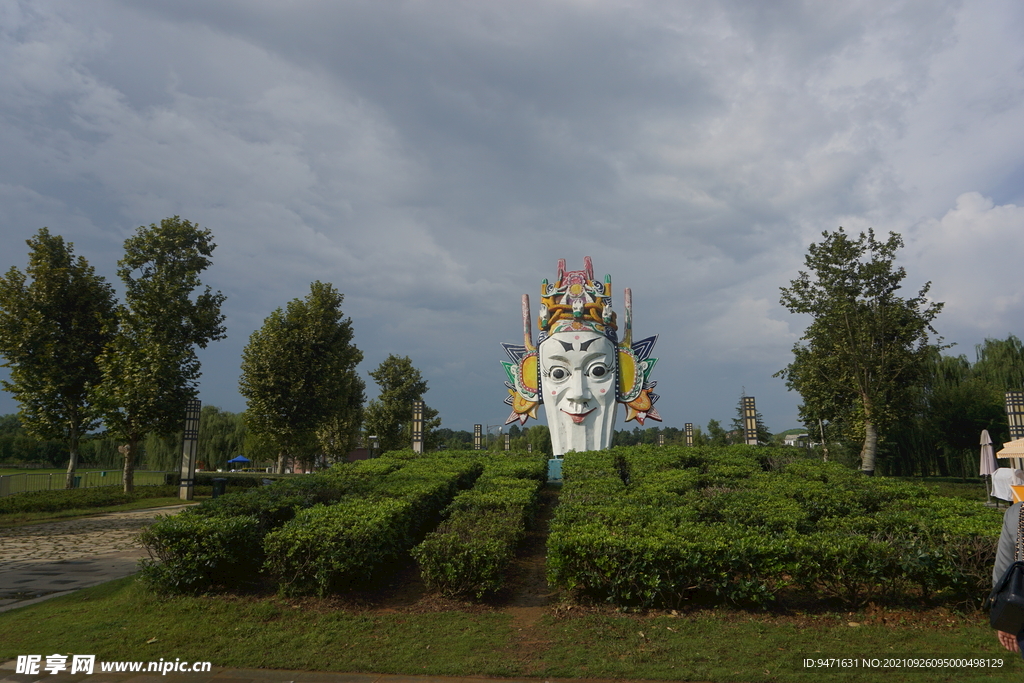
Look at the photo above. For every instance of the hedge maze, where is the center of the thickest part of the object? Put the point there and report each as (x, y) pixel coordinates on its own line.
(354, 525)
(637, 526)
(648, 526)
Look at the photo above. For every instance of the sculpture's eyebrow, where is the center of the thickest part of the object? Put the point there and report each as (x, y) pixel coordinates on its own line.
(586, 345)
(566, 345)
(581, 361)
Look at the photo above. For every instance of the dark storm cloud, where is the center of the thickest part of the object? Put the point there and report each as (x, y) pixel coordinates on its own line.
(434, 159)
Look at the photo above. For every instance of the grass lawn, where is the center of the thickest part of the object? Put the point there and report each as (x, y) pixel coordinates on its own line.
(122, 620)
(21, 518)
(41, 470)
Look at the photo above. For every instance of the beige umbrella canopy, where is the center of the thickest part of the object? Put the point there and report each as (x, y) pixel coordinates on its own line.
(1012, 449)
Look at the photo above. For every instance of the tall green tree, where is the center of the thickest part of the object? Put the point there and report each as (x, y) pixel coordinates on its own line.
(150, 368)
(716, 435)
(389, 416)
(299, 378)
(55, 319)
(866, 346)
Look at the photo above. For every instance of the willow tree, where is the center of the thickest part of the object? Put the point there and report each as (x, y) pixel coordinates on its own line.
(299, 378)
(55, 319)
(866, 346)
(150, 368)
(1001, 363)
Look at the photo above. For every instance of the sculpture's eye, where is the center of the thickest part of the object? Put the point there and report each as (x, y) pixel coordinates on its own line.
(559, 373)
(598, 370)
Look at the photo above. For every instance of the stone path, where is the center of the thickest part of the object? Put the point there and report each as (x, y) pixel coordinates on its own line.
(41, 560)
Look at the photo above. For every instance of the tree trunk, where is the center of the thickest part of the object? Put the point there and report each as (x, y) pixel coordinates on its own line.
(867, 453)
(69, 482)
(281, 460)
(129, 450)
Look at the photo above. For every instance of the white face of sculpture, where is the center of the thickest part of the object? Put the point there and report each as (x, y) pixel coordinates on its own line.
(578, 384)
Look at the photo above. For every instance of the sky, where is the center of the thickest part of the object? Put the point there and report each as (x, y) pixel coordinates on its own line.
(434, 159)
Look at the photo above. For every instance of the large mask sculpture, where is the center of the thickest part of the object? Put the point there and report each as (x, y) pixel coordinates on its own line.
(578, 368)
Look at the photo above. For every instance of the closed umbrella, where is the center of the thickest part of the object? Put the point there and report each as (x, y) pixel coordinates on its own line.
(988, 463)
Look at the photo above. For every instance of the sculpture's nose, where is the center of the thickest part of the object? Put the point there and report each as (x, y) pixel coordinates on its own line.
(578, 392)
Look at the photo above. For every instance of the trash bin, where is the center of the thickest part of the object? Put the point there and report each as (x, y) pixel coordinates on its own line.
(76, 483)
(218, 486)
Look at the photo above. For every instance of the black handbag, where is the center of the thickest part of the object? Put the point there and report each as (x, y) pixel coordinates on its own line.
(1007, 598)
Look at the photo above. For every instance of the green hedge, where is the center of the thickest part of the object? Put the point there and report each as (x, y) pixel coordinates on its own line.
(654, 526)
(470, 553)
(192, 554)
(265, 508)
(329, 548)
(661, 564)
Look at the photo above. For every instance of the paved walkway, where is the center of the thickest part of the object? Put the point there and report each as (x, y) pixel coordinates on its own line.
(39, 561)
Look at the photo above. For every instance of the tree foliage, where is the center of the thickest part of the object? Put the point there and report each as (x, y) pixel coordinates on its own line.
(389, 416)
(866, 347)
(299, 379)
(717, 436)
(1000, 363)
(149, 367)
(55, 319)
(221, 437)
(955, 402)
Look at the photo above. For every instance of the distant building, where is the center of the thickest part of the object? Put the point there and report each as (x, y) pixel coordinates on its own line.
(798, 440)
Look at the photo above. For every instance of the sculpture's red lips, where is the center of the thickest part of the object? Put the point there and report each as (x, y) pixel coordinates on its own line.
(578, 417)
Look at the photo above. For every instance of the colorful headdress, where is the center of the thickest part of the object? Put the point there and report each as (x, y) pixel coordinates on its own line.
(576, 302)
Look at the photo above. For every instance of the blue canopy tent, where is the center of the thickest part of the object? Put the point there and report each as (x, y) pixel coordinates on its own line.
(239, 459)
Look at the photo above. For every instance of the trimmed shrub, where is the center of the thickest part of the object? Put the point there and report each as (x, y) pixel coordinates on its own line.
(331, 548)
(266, 508)
(736, 524)
(469, 554)
(661, 565)
(193, 554)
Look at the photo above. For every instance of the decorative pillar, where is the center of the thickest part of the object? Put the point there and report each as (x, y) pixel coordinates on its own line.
(188, 451)
(417, 426)
(689, 433)
(1015, 418)
(1015, 414)
(749, 421)
(508, 441)
(661, 439)
(477, 437)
